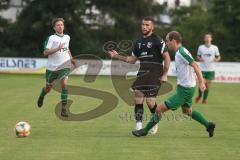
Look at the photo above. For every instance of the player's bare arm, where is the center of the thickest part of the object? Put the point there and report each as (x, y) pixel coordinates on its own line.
(167, 61)
(217, 58)
(199, 76)
(199, 58)
(128, 59)
(48, 52)
(72, 60)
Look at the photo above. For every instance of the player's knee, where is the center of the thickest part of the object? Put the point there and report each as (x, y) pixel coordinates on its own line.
(158, 110)
(48, 88)
(64, 86)
(150, 103)
(208, 83)
(187, 111)
(161, 108)
(139, 100)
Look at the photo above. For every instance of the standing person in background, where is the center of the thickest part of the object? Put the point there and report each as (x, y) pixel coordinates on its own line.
(207, 54)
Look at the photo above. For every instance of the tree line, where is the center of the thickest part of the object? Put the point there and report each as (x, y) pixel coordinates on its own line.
(91, 23)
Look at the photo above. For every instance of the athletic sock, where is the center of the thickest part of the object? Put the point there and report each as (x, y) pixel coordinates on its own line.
(205, 94)
(43, 92)
(152, 110)
(64, 97)
(199, 93)
(153, 121)
(197, 116)
(138, 112)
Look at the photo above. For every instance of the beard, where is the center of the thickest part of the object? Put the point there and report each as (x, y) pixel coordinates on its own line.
(146, 32)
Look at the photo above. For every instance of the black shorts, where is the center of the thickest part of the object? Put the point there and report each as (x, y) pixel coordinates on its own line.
(149, 84)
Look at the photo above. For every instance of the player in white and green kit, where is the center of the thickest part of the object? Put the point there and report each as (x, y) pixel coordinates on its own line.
(185, 68)
(59, 62)
(207, 54)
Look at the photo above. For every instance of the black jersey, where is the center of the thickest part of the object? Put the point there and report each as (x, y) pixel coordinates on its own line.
(149, 51)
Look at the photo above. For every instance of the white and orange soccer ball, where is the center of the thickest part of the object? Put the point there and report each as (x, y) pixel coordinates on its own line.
(22, 129)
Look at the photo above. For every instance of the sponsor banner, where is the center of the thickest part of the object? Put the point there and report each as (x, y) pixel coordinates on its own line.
(105, 67)
(224, 71)
(227, 72)
(22, 65)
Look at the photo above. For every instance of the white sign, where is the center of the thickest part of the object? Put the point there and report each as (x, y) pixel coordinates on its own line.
(224, 71)
(227, 72)
(22, 65)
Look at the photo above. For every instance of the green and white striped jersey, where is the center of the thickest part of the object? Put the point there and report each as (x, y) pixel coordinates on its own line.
(185, 72)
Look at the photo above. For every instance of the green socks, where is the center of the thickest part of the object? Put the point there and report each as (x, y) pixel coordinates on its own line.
(199, 93)
(197, 116)
(64, 97)
(205, 94)
(153, 121)
(43, 92)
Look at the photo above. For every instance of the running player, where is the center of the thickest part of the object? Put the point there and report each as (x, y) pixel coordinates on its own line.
(57, 49)
(207, 54)
(151, 51)
(185, 67)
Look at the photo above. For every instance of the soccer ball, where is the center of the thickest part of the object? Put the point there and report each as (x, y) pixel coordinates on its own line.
(22, 129)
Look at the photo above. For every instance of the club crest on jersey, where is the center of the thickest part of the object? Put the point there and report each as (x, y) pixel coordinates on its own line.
(149, 45)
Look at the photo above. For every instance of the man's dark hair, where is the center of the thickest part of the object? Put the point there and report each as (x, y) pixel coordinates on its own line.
(148, 19)
(208, 33)
(55, 20)
(175, 35)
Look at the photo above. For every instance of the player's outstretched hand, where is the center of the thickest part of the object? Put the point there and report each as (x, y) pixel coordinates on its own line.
(112, 53)
(61, 45)
(200, 58)
(164, 79)
(202, 86)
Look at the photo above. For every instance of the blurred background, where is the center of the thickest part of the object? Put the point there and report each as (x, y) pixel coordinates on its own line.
(25, 24)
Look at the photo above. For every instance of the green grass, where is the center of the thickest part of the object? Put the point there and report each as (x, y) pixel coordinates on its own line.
(109, 137)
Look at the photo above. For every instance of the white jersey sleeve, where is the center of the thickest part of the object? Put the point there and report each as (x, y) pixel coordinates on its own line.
(48, 43)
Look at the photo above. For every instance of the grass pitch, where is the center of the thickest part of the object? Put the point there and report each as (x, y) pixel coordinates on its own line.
(109, 137)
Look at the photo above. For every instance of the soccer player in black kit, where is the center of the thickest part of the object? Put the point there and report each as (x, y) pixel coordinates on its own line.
(151, 51)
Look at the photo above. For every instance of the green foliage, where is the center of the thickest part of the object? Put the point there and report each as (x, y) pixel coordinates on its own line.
(221, 18)
(34, 24)
(192, 23)
(25, 37)
(227, 14)
(4, 4)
